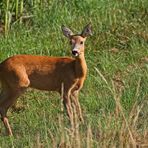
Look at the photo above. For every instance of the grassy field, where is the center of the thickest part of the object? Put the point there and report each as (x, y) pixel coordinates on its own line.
(114, 98)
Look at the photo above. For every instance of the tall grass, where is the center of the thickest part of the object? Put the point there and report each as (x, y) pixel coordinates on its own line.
(114, 98)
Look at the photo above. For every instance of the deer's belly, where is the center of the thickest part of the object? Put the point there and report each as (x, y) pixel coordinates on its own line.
(49, 83)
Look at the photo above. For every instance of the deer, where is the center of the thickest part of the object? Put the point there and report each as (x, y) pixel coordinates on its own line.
(19, 72)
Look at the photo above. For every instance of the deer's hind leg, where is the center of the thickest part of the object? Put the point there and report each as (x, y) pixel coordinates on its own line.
(7, 99)
(3, 111)
(11, 90)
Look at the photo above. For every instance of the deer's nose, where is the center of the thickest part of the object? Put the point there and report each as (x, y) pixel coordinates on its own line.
(75, 52)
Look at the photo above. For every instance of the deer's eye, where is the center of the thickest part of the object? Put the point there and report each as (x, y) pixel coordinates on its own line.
(81, 42)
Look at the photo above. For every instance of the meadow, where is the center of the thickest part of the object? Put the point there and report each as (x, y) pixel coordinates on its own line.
(114, 98)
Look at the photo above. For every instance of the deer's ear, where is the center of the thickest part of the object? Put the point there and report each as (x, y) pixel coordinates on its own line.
(87, 31)
(66, 31)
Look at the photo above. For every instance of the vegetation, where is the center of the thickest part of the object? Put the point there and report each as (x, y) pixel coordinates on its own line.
(114, 99)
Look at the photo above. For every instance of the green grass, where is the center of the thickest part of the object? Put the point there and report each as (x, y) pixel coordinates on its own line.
(112, 76)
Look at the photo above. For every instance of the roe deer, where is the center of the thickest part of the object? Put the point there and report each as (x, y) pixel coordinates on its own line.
(19, 72)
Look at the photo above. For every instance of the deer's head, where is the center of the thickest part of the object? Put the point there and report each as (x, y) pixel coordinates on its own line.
(77, 40)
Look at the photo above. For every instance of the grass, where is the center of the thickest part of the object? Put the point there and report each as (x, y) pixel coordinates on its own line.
(114, 98)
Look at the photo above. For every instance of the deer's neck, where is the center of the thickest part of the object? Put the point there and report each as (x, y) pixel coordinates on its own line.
(81, 67)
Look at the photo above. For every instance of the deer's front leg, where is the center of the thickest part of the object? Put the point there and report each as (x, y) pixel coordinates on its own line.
(67, 104)
(75, 99)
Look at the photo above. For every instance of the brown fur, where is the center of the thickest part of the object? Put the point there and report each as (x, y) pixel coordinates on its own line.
(19, 72)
